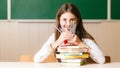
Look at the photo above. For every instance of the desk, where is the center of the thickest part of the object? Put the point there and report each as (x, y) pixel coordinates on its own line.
(55, 65)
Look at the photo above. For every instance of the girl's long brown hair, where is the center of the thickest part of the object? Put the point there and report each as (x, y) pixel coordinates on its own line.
(80, 31)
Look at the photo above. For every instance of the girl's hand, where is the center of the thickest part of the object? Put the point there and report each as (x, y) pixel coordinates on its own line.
(64, 37)
(77, 41)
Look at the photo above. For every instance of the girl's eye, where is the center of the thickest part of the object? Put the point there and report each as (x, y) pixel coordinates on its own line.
(72, 21)
(64, 19)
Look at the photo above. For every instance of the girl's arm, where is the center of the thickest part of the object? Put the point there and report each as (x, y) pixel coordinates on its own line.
(45, 51)
(95, 52)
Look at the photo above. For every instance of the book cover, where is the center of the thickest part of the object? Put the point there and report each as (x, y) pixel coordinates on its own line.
(62, 56)
(68, 46)
(78, 64)
(77, 56)
(72, 60)
(71, 49)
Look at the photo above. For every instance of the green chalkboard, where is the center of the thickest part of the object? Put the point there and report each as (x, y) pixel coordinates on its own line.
(3, 9)
(115, 9)
(46, 9)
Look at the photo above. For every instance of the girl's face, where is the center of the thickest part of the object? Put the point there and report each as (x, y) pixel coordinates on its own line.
(67, 21)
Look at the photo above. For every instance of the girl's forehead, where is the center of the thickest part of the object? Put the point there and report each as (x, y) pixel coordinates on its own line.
(67, 15)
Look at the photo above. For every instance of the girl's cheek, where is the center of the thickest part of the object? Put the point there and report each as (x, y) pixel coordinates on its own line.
(63, 26)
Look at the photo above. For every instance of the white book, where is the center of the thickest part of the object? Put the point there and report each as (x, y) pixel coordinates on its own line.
(68, 46)
(72, 60)
(61, 56)
(72, 50)
(72, 54)
(69, 64)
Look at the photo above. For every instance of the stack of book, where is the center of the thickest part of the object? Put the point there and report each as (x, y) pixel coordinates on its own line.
(71, 55)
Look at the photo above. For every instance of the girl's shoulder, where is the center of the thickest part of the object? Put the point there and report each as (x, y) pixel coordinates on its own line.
(52, 37)
(53, 34)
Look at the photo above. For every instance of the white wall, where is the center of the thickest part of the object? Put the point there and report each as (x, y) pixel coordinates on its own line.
(27, 38)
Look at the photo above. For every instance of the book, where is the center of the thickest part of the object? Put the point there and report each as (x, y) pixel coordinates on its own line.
(71, 60)
(68, 46)
(77, 56)
(71, 55)
(71, 49)
(78, 64)
(62, 56)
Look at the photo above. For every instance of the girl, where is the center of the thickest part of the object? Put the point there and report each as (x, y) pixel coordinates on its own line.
(67, 15)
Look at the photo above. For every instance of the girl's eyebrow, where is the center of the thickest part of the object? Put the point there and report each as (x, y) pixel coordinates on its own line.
(64, 18)
(72, 18)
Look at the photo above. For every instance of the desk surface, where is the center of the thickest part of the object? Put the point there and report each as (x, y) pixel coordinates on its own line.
(55, 65)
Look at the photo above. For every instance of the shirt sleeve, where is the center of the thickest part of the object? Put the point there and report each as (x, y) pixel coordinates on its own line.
(45, 51)
(95, 53)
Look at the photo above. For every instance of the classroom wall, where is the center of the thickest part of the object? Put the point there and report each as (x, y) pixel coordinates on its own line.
(27, 38)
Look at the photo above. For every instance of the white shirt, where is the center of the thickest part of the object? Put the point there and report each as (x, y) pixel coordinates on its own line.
(95, 52)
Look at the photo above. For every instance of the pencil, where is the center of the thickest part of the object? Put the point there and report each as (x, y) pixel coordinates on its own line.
(65, 41)
(58, 29)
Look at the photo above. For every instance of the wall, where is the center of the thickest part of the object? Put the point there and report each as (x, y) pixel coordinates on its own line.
(27, 38)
